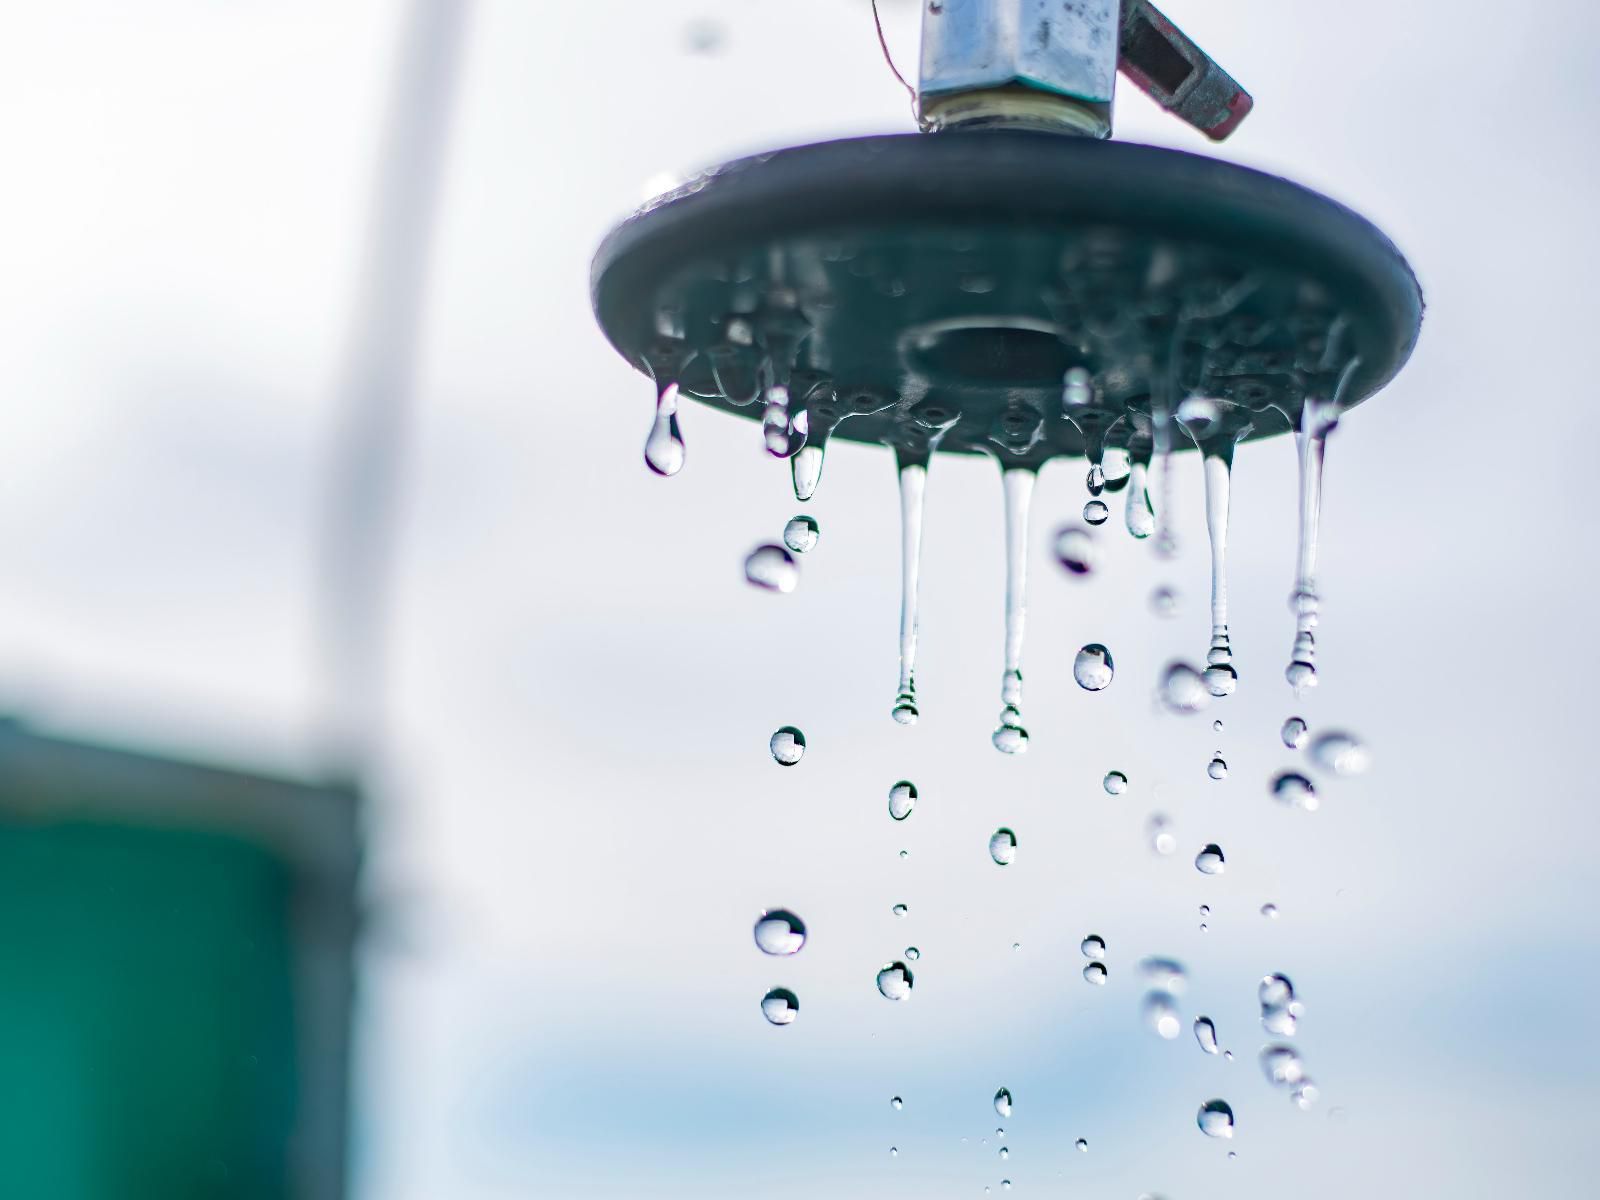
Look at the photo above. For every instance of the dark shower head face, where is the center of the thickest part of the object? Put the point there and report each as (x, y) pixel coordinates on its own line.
(1007, 292)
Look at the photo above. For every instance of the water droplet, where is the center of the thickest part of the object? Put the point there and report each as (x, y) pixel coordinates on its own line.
(1306, 1095)
(1115, 783)
(1291, 787)
(1205, 910)
(1158, 829)
(1216, 726)
(905, 854)
(1164, 602)
(1095, 973)
(1281, 1021)
(1270, 911)
(1075, 549)
(1168, 974)
(780, 1006)
(1009, 737)
(1003, 847)
(1005, 1185)
(1183, 690)
(1294, 733)
(1015, 946)
(1281, 1065)
(1093, 946)
(894, 981)
(999, 1133)
(779, 931)
(801, 533)
(805, 468)
(1209, 861)
(773, 568)
(1083, 1145)
(1275, 991)
(913, 953)
(1215, 1119)
(1340, 753)
(1280, 1011)
(663, 449)
(1093, 668)
(788, 746)
(1002, 1102)
(899, 910)
(896, 1103)
(902, 799)
(1095, 512)
(1206, 1034)
(776, 429)
(1217, 768)
(1161, 1014)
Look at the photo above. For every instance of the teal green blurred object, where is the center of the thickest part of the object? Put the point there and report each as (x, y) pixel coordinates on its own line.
(175, 977)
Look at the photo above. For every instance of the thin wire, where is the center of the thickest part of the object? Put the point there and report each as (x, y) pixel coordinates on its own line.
(883, 44)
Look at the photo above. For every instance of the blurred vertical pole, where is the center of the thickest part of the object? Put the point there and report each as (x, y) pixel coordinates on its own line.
(376, 392)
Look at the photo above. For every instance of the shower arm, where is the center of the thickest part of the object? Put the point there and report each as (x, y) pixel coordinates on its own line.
(1019, 63)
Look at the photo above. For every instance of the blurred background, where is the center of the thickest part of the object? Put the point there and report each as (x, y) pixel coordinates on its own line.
(385, 802)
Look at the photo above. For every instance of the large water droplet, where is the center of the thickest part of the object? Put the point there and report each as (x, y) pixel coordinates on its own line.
(1215, 1119)
(1161, 1014)
(1280, 1011)
(1075, 549)
(779, 931)
(788, 746)
(1002, 1102)
(1003, 847)
(805, 468)
(801, 533)
(663, 449)
(773, 568)
(1291, 787)
(780, 1006)
(1294, 733)
(1158, 830)
(1093, 668)
(894, 981)
(1183, 690)
(1206, 1034)
(1209, 861)
(902, 799)
(1095, 512)
(1010, 737)
(1340, 753)
(1115, 783)
(1217, 768)
(1275, 991)
(1095, 973)
(1281, 1065)
(1093, 946)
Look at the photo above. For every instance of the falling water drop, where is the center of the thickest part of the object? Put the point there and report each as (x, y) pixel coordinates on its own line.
(1281, 1065)
(1093, 946)
(1168, 974)
(899, 910)
(1294, 733)
(894, 1152)
(1270, 911)
(772, 568)
(1083, 1145)
(1095, 481)
(664, 450)
(912, 953)
(775, 426)
(1164, 602)
(1280, 1011)
(801, 533)
(1004, 1153)
(1183, 690)
(1217, 768)
(780, 1006)
(1340, 753)
(1216, 726)
(894, 981)
(1318, 417)
(1095, 973)
(1002, 1103)
(779, 931)
(1206, 1034)
(788, 746)
(1293, 788)
(913, 485)
(902, 799)
(1003, 847)
(1161, 1014)
(1158, 830)
(1075, 549)
(1115, 783)
(1093, 668)
(1210, 861)
(805, 468)
(1095, 512)
(896, 1103)
(1215, 1119)
(1306, 1095)
(1009, 736)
